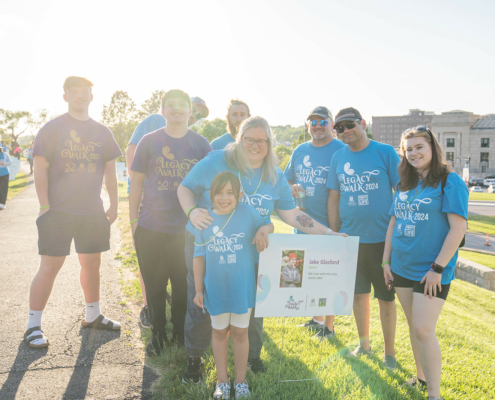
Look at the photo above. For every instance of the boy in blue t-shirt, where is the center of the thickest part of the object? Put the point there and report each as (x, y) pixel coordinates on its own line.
(361, 179)
(224, 276)
(307, 172)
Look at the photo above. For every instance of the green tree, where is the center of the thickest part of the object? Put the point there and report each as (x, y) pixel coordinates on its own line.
(369, 133)
(13, 122)
(213, 129)
(36, 122)
(151, 105)
(121, 117)
(282, 152)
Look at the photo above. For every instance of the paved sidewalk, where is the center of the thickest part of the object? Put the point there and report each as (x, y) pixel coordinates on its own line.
(477, 241)
(79, 363)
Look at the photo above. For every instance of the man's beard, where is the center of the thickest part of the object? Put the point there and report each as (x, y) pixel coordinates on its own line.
(232, 129)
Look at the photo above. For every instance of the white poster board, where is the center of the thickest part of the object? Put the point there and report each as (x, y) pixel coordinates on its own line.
(14, 168)
(321, 281)
(122, 171)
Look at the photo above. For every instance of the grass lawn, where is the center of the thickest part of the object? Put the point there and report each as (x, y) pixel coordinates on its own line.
(466, 331)
(481, 223)
(482, 196)
(18, 185)
(484, 259)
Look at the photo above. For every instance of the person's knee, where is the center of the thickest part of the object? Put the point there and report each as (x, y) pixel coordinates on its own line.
(239, 334)
(423, 332)
(51, 266)
(387, 307)
(220, 333)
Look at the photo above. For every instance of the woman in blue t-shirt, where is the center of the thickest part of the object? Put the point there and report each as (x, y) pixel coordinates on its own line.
(429, 214)
(5, 161)
(223, 273)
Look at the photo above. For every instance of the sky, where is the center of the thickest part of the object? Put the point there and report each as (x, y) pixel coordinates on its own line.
(282, 57)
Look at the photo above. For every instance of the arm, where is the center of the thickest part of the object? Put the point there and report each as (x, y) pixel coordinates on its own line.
(333, 211)
(297, 278)
(135, 195)
(41, 182)
(6, 161)
(457, 231)
(286, 274)
(302, 221)
(387, 253)
(199, 266)
(261, 237)
(198, 217)
(112, 189)
(295, 188)
(129, 157)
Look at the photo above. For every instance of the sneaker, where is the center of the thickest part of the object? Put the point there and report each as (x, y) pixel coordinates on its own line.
(222, 391)
(156, 345)
(256, 365)
(325, 333)
(143, 318)
(312, 325)
(416, 383)
(389, 362)
(193, 370)
(3, 206)
(242, 391)
(358, 351)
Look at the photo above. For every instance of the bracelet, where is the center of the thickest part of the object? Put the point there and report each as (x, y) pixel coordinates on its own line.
(385, 262)
(328, 232)
(135, 220)
(437, 268)
(189, 211)
(42, 208)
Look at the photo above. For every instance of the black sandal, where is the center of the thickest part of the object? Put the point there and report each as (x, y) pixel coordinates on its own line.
(98, 324)
(28, 339)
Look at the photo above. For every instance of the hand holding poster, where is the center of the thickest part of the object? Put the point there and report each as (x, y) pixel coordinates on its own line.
(307, 275)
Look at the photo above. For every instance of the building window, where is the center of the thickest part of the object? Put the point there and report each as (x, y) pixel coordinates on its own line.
(450, 142)
(485, 142)
(450, 156)
(484, 156)
(483, 169)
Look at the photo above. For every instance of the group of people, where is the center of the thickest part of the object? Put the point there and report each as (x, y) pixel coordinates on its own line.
(200, 217)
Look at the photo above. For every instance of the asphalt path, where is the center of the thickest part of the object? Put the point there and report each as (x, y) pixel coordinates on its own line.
(482, 208)
(80, 363)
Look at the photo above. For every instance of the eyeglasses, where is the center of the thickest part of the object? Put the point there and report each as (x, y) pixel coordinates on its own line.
(260, 142)
(348, 125)
(323, 122)
(420, 128)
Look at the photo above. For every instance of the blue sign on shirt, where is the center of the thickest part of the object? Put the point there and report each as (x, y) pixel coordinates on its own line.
(365, 180)
(421, 226)
(230, 281)
(308, 166)
(221, 142)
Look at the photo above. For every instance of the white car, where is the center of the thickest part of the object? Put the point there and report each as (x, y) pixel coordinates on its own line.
(489, 182)
(491, 189)
(477, 189)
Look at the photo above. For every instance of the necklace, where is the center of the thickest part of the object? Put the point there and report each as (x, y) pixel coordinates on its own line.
(259, 184)
(417, 194)
(220, 230)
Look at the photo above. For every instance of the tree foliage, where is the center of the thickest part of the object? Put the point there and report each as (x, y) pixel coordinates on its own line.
(14, 123)
(151, 105)
(213, 129)
(369, 133)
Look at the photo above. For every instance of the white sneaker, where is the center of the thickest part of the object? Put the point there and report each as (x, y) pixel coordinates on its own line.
(3, 206)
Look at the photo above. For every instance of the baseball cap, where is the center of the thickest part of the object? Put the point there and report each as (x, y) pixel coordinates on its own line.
(348, 114)
(321, 112)
(199, 101)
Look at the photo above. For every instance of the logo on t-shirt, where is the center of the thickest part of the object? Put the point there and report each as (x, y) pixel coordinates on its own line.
(310, 191)
(352, 182)
(79, 152)
(222, 243)
(410, 230)
(169, 167)
(311, 175)
(306, 162)
(351, 201)
(256, 201)
(399, 229)
(410, 212)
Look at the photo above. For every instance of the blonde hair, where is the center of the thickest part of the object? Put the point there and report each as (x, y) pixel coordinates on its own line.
(238, 159)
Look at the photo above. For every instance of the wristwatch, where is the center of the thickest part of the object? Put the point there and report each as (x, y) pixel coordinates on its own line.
(437, 268)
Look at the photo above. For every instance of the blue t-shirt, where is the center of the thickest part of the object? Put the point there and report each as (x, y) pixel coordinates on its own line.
(166, 161)
(365, 180)
(30, 154)
(221, 142)
(308, 166)
(6, 159)
(421, 226)
(230, 281)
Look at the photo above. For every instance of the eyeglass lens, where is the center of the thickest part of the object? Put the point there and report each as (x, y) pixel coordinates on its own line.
(322, 122)
(348, 125)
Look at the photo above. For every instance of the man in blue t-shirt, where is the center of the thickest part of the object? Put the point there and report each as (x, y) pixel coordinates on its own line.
(361, 178)
(152, 123)
(307, 173)
(237, 112)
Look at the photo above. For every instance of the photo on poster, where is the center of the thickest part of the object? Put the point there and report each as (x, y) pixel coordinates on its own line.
(292, 268)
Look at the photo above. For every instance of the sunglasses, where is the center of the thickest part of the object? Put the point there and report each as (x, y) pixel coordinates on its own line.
(348, 125)
(260, 142)
(323, 122)
(420, 128)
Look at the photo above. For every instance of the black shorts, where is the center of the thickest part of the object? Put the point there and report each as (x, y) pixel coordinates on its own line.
(91, 233)
(401, 282)
(370, 271)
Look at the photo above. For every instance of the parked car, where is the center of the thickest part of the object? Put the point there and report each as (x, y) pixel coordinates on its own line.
(474, 181)
(477, 189)
(491, 189)
(488, 182)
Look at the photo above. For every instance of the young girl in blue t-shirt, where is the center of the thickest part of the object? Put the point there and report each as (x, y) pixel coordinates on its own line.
(225, 278)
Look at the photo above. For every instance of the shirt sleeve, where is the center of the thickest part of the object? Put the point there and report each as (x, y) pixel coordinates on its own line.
(206, 147)
(199, 251)
(112, 150)
(150, 124)
(289, 170)
(45, 142)
(141, 157)
(214, 145)
(6, 160)
(332, 181)
(456, 196)
(285, 200)
(392, 207)
(393, 168)
(195, 179)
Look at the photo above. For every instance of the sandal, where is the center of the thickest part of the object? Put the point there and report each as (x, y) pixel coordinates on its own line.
(28, 339)
(99, 324)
